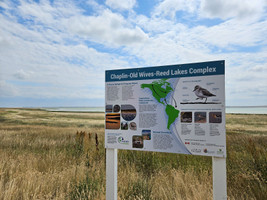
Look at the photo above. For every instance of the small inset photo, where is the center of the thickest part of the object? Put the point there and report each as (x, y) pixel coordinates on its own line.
(113, 121)
(124, 125)
(138, 141)
(128, 112)
(186, 117)
(200, 117)
(146, 134)
(108, 108)
(133, 126)
(215, 117)
(116, 108)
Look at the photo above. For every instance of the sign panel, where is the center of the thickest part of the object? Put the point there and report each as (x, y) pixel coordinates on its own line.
(174, 108)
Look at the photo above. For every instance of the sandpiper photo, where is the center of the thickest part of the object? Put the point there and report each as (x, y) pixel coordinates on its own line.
(202, 93)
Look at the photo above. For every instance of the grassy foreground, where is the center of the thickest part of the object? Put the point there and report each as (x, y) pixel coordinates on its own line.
(53, 155)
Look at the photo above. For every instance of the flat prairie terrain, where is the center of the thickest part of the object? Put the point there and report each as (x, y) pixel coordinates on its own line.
(56, 155)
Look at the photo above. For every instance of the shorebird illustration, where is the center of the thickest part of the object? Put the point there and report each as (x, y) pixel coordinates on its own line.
(202, 93)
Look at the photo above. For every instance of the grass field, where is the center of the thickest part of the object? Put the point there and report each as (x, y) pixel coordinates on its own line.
(51, 155)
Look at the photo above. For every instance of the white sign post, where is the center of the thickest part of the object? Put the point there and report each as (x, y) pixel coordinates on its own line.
(219, 178)
(111, 174)
(174, 108)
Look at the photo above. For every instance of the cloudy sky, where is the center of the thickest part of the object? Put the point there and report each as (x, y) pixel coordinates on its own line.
(54, 53)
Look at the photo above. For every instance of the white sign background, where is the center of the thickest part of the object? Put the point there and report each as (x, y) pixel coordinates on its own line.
(138, 119)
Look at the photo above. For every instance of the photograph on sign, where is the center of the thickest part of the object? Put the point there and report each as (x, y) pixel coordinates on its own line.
(174, 108)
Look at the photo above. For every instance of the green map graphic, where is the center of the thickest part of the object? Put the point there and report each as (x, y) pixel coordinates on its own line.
(160, 89)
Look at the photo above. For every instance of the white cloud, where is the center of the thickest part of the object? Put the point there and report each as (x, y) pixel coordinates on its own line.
(223, 9)
(158, 25)
(7, 90)
(240, 9)
(121, 5)
(231, 33)
(108, 28)
(4, 41)
(259, 68)
(49, 61)
(47, 13)
(5, 4)
(41, 12)
(243, 80)
(21, 74)
(168, 8)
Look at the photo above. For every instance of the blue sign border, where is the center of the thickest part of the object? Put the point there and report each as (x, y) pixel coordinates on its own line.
(167, 71)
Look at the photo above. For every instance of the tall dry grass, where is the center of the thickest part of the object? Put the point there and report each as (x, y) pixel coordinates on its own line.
(50, 155)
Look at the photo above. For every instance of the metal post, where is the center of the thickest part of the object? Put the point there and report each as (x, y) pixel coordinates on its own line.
(111, 174)
(219, 178)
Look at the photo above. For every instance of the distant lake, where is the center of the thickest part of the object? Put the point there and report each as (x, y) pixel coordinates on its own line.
(247, 109)
(229, 109)
(76, 109)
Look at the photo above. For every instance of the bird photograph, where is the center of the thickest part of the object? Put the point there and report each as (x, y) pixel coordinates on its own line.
(202, 93)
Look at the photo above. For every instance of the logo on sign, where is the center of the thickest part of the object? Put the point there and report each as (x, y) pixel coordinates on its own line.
(208, 151)
(196, 150)
(220, 151)
(122, 141)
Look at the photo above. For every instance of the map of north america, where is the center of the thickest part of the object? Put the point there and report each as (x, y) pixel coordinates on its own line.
(160, 89)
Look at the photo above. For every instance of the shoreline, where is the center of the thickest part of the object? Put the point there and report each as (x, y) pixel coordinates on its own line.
(258, 110)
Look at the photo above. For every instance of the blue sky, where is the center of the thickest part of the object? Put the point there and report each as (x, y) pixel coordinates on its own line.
(54, 53)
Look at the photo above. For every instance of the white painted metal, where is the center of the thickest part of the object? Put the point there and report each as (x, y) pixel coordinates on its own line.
(219, 178)
(111, 174)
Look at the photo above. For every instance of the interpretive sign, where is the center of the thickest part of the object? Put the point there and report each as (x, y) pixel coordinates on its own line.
(174, 108)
